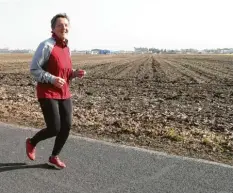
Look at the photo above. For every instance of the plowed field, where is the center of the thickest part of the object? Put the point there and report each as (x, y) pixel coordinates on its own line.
(179, 104)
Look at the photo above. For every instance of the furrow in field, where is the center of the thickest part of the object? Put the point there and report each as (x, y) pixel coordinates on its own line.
(104, 69)
(170, 71)
(202, 73)
(188, 76)
(222, 72)
(159, 73)
(119, 70)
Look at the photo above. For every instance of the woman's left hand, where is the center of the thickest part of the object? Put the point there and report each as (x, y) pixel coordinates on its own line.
(80, 73)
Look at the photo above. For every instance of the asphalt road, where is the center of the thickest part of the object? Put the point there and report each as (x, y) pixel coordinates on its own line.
(99, 167)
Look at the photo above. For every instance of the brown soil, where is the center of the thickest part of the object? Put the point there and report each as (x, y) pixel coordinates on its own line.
(179, 104)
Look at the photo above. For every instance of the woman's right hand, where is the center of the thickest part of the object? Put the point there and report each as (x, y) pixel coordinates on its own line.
(59, 82)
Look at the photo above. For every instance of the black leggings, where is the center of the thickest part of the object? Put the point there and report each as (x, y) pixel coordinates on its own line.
(58, 119)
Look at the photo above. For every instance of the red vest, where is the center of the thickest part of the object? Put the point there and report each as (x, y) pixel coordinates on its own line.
(59, 64)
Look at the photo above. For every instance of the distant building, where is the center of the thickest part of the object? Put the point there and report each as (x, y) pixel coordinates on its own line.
(226, 51)
(24, 51)
(94, 51)
(6, 50)
(80, 52)
(100, 51)
(141, 50)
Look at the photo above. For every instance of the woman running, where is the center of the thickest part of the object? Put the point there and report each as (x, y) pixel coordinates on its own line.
(51, 67)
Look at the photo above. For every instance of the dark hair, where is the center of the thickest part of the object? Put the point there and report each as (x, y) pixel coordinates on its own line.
(54, 19)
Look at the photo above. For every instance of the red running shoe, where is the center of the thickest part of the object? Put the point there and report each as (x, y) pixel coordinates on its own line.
(30, 150)
(56, 162)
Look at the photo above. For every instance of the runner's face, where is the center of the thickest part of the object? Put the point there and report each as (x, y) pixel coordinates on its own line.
(61, 28)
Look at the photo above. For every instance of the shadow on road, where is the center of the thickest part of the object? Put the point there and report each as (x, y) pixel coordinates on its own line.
(16, 166)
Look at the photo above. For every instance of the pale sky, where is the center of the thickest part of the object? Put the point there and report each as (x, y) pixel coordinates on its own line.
(120, 24)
